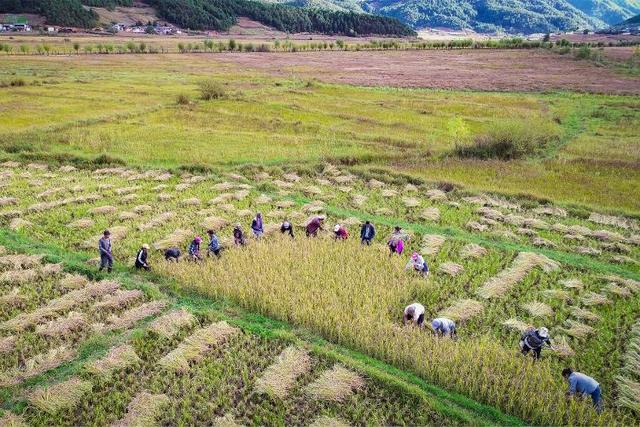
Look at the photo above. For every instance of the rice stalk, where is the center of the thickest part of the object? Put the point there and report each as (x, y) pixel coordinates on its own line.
(476, 226)
(551, 210)
(133, 316)
(7, 344)
(451, 268)
(171, 323)
(64, 395)
(572, 284)
(214, 223)
(335, 384)
(359, 199)
(127, 216)
(226, 421)
(326, 421)
(118, 232)
(592, 298)
(410, 202)
(436, 195)
(472, 250)
(538, 309)
(557, 294)
(462, 310)
(18, 261)
(142, 209)
(618, 290)
(517, 325)
(144, 410)
(616, 221)
(157, 220)
(37, 365)
(119, 299)
(118, 358)
(582, 314)
(103, 210)
(431, 244)
(82, 223)
(63, 326)
(430, 214)
(562, 348)
(281, 376)
(176, 238)
(578, 329)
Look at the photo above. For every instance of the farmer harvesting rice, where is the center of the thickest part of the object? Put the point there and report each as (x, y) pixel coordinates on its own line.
(286, 228)
(582, 384)
(214, 244)
(172, 254)
(396, 242)
(104, 246)
(414, 313)
(238, 236)
(257, 226)
(194, 249)
(367, 233)
(340, 232)
(141, 258)
(314, 225)
(444, 327)
(533, 340)
(417, 263)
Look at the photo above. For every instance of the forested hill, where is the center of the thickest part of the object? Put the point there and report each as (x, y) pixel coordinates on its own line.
(219, 15)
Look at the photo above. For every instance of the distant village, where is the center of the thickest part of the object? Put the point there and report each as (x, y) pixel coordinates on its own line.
(21, 24)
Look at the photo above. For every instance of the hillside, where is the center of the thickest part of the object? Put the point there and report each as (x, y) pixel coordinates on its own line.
(218, 15)
(609, 11)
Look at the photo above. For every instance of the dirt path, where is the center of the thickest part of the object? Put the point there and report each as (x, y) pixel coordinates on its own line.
(500, 70)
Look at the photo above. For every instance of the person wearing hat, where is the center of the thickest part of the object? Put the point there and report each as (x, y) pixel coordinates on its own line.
(414, 314)
(314, 226)
(396, 242)
(444, 327)
(257, 226)
(214, 244)
(238, 236)
(172, 254)
(104, 246)
(367, 233)
(194, 249)
(581, 384)
(533, 340)
(141, 258)
(417, 263)
(340, 232)
(286, 228)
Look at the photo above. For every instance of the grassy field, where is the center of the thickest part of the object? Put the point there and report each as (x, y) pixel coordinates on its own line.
(71, 106)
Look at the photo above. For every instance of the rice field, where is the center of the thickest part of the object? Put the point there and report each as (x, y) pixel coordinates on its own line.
(497, 266)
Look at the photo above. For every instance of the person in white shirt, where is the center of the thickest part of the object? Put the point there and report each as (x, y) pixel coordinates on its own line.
(444, 327)
(414, 313)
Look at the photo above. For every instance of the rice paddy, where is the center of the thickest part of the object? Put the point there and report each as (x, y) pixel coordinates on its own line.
(494, 281)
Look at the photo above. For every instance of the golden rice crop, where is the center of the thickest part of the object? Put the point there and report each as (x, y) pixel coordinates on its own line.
(170, 324)
(9, 419)
(133, 316)
(176, 238)
(37, 365)
(118, 358)
(463, 309)
(325, 421)
(430, 214)
(144, 410)
(431, 244)
(281, 376)
(451, 268)
(157, 220)
(504, 281)
(63, 395)
(335, 384)
(472, 250)
(538, 309)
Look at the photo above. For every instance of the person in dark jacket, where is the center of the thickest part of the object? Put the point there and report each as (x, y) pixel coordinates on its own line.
(314, 226)
(581, 384)
(194, 249)
(238, 236)
(141, 258)
(286, 228)
(367, 233)
(172, 254)
(214, 244)
(257, 226)
(104, 246)
(533, 340)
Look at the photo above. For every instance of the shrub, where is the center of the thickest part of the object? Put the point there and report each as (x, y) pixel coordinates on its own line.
(509, 141)
(183, 99)
(210, 89)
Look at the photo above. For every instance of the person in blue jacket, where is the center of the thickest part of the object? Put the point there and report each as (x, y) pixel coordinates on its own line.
(583, 384)
(367, 233)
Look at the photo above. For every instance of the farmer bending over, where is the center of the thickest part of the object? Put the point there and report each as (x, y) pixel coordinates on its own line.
(257, 226)
(583, 384)
(238, 236)
(340, 232)
(286, 228)
(367, 233)
(418, 264)
(533, 340)
(396, 242)
(104, 246)
(314, 225)
(214, 244)
(141, 258)
(194, 249)
(444, 327)
(414, 313)
(172, 254)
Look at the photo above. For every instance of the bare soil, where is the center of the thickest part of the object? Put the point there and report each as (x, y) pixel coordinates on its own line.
(497, 70)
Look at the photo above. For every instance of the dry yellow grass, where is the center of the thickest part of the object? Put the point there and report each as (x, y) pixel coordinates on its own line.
(63, 395)
(335, 384)
(281, 376)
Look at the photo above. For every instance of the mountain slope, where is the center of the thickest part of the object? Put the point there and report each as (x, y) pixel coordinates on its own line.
(609, 11)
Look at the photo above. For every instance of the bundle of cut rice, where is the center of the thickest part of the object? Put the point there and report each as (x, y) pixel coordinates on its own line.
(324, 182)
(291, 177)
(281, 376)
(262, 176)
(410, 202)
(540, 242)
(163, 197)
(431, 244)
(436, 195)
(582, 314)
(592, 298)
(345, 189)
(617, 221)
(183, 186)
(430, 214)
(64, 395)
(493, 214)
(156, 221)
(538, 309)
(176, 238)
(587, 250)
(126, 216)
(577, 329)
(410, 188)
(17, 224)
(527, 232)
(126, 190)
(551, 210)
(193, 201)
(335, 385)
(609, 236)
(223, 186)
(118, 233)
(463, 309)
(142, 208)
(144, 410)
(560, 228)
(263, 199)
(517, 325)
(6, 201)
(389, 193)
(103, 210)
(311, 190)
(451, 268)
(476, 226)
(561, 347)
(558, 294)
(472, 251)
(240, 195)
(358, 199)
(575, 237)
(129, 198)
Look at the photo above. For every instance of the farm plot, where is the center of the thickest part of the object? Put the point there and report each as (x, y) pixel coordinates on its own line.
(188, 367)
(497, 266)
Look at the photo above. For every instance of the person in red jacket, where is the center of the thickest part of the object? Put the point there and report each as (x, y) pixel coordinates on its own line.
(340, 233)
(314, 226)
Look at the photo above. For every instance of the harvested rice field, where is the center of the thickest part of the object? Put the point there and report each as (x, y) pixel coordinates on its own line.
(142, 348)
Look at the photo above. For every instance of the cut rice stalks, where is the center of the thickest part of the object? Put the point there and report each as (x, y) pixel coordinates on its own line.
(335, 384)
(60, 396)
(281, 376)
(170, 324)
(118, 358)
(144, 410)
